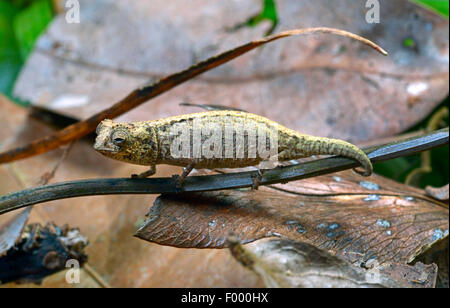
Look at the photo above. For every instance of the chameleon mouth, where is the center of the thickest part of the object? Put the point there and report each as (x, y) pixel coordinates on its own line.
(103, 149)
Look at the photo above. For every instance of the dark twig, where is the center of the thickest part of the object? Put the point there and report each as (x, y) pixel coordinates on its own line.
(47, 176)
(91, 187)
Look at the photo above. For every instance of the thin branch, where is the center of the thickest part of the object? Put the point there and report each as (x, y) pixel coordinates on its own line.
(145, 93)
(47, 176)
(91, 187)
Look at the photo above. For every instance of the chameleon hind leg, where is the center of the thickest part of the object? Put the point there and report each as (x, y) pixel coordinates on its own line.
(145, 174)
(263, 166)
(180, 178)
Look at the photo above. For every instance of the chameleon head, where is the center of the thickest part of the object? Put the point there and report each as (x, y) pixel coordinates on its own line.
(130, 142)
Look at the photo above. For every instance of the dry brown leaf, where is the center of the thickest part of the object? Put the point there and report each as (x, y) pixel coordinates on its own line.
(40, 252)
(364, 220)
(418, 276)
(289, 263)
(439, 193)
(79, 69)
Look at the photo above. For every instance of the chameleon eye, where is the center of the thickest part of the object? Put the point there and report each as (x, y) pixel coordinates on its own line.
(119, 137)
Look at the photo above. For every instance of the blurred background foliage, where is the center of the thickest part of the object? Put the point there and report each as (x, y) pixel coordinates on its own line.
(430, 168)
(22, 21)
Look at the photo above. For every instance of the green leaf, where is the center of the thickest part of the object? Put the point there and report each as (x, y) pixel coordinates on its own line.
(440, 6)
(269, 12)
(439, 164)
(30, 22)
(10, 59)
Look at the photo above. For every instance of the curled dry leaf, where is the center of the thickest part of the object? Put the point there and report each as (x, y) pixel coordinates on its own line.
(439, 193)
(289, 263)
(79, 69)
(358, 219)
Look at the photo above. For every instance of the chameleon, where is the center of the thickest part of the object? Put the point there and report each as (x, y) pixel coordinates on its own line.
(151, 143)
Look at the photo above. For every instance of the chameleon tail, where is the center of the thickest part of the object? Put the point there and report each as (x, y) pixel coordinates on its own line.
(326, 146)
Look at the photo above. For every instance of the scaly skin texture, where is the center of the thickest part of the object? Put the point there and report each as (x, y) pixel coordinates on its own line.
(149, 142)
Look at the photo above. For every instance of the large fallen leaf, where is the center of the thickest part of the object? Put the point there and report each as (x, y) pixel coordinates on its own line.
(439, 193)
(360, 220)
(79, 69)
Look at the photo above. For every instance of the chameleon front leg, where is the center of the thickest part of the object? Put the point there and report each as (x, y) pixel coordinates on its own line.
(186, 171)
(256, 181)
(145, 174)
